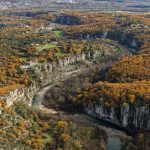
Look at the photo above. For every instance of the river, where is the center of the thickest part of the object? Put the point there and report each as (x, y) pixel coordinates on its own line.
(116, 136)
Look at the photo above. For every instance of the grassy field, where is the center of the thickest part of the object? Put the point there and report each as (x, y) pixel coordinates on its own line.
(60, 54)
(42, 47)
(58, 33)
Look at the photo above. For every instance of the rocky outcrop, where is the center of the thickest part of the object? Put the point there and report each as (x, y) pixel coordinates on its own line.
(42, 74)
(123, 38)
(21, 94)
(131, 117)
(13, 96)
(68, 20)
(127, 39)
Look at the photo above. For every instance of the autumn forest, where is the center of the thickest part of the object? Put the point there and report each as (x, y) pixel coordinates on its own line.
(95, 64)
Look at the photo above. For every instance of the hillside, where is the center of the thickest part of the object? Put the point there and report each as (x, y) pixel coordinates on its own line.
(111, 5)
(73, 80)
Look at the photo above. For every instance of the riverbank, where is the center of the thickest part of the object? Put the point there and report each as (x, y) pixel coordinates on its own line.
(116, 137)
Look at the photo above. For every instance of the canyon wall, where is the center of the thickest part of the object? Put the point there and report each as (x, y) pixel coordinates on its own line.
(42, 74)
(68, 20)
(132, 116)
(123, 38)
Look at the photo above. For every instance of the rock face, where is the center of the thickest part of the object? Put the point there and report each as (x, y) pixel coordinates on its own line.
(13, 96)
(68, 20)
(42, 75)
(125, 39)
(132, 116)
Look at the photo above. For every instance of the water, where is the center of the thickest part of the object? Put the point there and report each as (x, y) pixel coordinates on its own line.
(36, 102)
(113, 143)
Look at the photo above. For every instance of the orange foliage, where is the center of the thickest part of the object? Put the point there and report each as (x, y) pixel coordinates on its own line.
(111, 93)
(130, 69)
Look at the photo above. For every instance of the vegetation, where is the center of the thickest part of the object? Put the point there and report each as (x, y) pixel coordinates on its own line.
(58, 33)
(23, 127)
(130, 69)
(29, 40)
(112, 93)
(140, 142)
(135, 26)
(46, 46)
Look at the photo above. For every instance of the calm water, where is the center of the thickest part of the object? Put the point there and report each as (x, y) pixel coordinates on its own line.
(36, 101)
(113, 143)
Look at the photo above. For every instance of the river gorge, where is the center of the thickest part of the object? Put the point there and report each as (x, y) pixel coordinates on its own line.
(56, 82)
(116, 136)
(64, 85)
(74, 80)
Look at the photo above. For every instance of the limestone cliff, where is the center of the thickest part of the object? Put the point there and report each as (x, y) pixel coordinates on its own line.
(131, 117)
(42, 74)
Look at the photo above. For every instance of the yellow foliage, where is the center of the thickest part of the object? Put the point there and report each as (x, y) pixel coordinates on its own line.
(28, 142)
(65, 137)
(62, 124)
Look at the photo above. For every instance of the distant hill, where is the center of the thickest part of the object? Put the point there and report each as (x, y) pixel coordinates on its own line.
(108, 4)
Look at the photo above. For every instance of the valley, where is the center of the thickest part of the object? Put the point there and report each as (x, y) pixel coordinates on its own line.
(74, 80)
(81, 5)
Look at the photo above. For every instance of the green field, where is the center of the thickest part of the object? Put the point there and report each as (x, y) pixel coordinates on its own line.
(58, 33)
(61, 54)
(42, 47)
